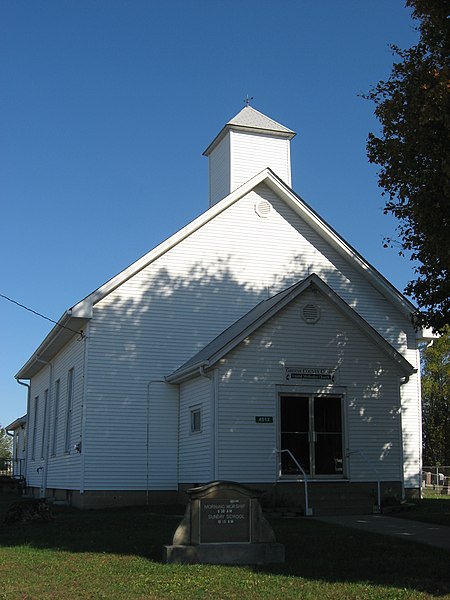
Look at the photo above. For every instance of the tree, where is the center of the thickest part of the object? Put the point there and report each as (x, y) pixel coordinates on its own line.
(413, 108)
(5, 444)
(436, 401)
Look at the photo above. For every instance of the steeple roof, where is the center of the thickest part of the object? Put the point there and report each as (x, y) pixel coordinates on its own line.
(251, 120)
(248, 117)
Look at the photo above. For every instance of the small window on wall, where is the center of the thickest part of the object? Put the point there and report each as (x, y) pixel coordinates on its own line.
(196, 419)
(70, 380)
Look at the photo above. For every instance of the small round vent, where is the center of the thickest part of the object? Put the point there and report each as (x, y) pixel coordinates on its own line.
(263, 208)
(311, 313)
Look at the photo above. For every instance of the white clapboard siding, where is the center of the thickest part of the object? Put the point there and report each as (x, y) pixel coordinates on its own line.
(241, 155)
(196, 448)
(411, 424)
(63, 469)
(168, 311)
(251, 153)
(219, 171)
(252, 375)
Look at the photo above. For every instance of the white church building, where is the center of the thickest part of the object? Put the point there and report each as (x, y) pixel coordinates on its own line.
(254, 345)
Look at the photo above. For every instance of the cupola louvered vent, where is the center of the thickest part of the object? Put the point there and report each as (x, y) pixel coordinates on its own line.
(263, 208)
(311, 313)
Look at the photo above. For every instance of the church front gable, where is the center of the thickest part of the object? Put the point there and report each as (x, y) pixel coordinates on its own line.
(312, 384)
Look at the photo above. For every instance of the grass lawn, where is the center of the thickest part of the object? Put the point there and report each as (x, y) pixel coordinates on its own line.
(433, 508)
(116, 554)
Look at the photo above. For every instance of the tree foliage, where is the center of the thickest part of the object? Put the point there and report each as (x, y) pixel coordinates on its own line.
(413, 108)
(436, 401)
(5, 444)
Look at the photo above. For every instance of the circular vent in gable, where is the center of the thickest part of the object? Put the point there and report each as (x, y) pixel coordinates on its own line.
(263, 208)
(311, 313)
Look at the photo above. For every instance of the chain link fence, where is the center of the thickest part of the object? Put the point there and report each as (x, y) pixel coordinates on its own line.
(436, 478)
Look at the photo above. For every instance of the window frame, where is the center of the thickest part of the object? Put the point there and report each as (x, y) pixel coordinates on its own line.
(35, 416)
(44, 424)
(195, 413)
(56, 397)
(69, 406)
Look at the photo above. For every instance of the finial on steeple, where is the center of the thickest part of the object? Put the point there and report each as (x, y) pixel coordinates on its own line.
(247, 100)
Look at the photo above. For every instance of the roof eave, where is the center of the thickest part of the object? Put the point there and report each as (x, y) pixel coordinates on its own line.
(258, 130)
(312, 281)
(321, 226)
(83, 309)
(181, 375)
(20, 422)
(68, 326)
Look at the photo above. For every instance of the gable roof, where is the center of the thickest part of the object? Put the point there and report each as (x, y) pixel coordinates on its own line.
(251, 120)
(83, 310)
(20, 422)
(265, 310)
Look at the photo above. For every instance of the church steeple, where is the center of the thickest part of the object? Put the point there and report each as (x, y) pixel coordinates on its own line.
(249, 143)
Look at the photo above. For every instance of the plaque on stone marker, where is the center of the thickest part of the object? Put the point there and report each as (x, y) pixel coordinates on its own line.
(226, 520)
(224, 524)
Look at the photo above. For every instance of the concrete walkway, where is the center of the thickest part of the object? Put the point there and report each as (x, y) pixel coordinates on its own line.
(406, 529)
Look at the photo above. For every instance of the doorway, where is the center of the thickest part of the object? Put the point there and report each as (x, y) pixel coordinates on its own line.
(311, 429)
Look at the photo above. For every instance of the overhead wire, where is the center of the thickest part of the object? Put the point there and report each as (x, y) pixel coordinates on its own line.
(43, 316)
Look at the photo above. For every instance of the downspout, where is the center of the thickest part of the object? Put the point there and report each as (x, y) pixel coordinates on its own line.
(46, 430)
(28, 386)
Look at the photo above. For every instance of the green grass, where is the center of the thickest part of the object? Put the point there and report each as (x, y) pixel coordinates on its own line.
(116, 554)
(433, 508)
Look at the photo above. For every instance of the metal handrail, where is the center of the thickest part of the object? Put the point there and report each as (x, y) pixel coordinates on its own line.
(308, 511)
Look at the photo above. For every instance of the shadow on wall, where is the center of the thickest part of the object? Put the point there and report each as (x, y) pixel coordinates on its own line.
(161, 317)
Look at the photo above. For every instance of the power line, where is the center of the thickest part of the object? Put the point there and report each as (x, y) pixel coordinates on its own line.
(43, 316)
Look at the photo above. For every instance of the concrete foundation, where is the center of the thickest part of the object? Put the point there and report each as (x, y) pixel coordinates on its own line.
(336, 497)
(110, 498)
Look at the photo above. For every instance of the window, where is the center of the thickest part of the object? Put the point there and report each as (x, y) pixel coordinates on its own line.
(55, 416)
(311, 429)
(70, 377)
(196, 419)
(44, 423)
(33, 443)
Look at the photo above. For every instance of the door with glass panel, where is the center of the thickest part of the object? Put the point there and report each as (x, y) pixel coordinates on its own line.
(311, 429)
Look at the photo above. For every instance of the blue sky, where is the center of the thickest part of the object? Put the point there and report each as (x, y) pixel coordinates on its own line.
(107, 106)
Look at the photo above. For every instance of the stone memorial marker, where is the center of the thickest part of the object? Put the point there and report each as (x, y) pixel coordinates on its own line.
(224, 524)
